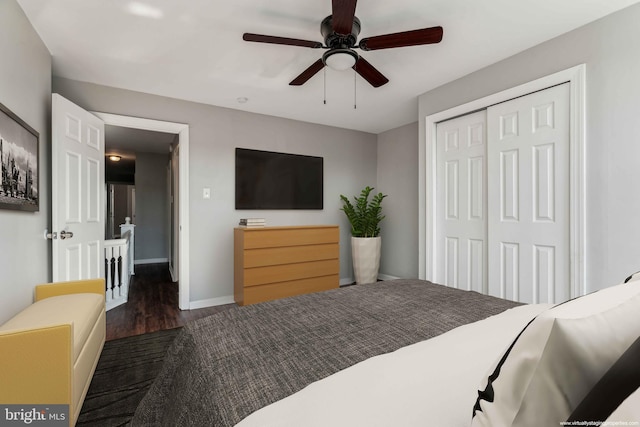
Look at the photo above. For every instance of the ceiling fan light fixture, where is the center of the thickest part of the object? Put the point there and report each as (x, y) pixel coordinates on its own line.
(340, 59)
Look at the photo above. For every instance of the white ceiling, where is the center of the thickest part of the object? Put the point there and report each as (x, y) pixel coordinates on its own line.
(193, 49)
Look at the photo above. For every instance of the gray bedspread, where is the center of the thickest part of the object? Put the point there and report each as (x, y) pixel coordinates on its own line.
(223, 367)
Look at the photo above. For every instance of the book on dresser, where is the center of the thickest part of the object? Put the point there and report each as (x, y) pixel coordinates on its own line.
(252, 222)
(278, 262)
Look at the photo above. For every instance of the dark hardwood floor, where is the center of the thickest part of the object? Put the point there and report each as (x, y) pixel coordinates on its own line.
(152, 305)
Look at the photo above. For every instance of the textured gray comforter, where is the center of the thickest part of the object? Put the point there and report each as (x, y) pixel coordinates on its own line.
(224, 367)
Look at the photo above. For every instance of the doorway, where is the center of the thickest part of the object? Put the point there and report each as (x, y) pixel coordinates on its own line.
(181, 228)
(135, 163)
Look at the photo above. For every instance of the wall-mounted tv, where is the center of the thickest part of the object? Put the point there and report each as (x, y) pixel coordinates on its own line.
(269, 180)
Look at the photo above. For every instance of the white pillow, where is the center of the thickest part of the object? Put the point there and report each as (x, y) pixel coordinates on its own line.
(628, 411)
(558, 358)
(612, 390)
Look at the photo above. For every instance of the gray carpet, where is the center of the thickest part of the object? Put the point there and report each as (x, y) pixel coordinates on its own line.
(126, 369)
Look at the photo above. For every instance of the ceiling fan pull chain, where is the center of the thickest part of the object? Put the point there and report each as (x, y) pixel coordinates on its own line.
(355, 87)
(324, 70)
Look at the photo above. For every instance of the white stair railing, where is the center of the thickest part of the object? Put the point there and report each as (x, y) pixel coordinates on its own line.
(117, 254)
(124, 228)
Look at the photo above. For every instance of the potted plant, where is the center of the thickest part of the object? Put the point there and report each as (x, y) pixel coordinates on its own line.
(366, 242)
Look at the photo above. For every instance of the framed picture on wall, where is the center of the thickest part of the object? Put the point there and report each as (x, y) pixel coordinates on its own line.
(19, 182)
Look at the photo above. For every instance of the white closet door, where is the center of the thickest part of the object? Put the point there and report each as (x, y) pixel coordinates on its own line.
(461, 200)
(528, 204)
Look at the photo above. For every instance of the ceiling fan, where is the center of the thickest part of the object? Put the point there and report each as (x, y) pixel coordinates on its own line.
(340, 31)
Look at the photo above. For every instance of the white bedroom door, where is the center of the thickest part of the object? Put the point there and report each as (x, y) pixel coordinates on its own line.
(461, 195)
(77, 205)
(528, 164)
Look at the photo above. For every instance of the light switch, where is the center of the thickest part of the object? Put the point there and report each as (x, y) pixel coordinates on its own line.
(206, 193)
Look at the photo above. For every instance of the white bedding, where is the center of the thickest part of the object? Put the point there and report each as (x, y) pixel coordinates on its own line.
(433, 382)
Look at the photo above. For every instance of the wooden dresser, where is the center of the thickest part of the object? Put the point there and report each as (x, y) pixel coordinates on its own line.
(278, 262)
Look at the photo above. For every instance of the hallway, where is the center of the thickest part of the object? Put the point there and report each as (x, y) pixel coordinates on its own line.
(152, 305)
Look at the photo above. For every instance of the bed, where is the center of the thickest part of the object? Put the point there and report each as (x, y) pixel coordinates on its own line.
(401, 352)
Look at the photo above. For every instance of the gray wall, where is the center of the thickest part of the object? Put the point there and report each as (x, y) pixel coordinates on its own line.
(25, 88)
(349, 165)
(151, 206)
(609, 48)
(398, 178)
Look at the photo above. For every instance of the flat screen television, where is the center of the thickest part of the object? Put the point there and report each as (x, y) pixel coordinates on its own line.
(269, 180)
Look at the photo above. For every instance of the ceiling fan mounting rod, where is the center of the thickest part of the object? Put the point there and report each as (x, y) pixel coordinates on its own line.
(335, 40)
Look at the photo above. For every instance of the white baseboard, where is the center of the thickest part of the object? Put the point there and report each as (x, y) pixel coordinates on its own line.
(115, 303)
(387, 277)
(211, 302)
(347, 281)
(150, 261)
(350, 280)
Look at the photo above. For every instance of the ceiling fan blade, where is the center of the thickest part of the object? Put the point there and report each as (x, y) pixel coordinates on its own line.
(250, 37)
(343, 12)
(406, 38)
(308, 73)
(370, 73)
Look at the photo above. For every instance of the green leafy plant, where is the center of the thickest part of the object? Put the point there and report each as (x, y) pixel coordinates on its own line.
(363, 215)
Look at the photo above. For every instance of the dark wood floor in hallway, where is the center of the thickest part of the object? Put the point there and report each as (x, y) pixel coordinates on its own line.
(152, 305)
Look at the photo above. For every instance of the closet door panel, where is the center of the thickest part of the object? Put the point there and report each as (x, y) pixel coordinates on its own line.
(461, 199)
(528, 197)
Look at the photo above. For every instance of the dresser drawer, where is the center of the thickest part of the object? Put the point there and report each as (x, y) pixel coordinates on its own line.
(290, 255)
(273, 291)
(288, 272)
(272, 238)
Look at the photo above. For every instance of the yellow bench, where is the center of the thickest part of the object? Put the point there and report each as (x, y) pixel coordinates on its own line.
(49, 351)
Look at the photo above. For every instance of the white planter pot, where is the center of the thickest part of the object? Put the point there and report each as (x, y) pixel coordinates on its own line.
(365, 252)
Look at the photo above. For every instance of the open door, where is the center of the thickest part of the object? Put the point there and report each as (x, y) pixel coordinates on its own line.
(174, 226)
(77, 205)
